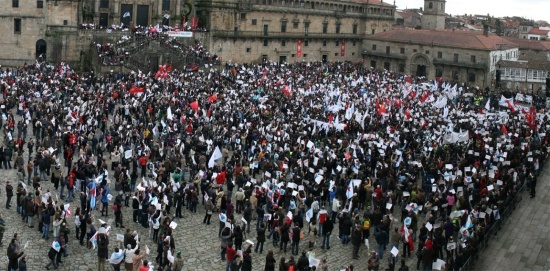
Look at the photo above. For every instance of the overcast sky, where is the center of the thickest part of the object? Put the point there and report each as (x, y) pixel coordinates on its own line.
(530, 9)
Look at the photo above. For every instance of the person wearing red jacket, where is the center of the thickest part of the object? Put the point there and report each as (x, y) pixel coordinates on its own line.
(143, 163)
(230, 254)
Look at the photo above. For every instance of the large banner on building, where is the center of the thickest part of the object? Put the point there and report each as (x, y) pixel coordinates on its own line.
(343, 49)
(299, 49)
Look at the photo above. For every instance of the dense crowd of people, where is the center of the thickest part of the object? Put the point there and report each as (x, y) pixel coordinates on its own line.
(300, 154)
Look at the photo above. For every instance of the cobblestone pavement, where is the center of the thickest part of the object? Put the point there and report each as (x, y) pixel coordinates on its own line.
(199, 242)
(523, 243)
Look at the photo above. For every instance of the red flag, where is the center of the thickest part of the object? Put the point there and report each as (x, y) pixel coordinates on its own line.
(382, 109)
(234, 71)
(408, 80)
(511, 106)
(169, 68)
(194, 105)
(408, 114)
(279, 82)
(330, 118)
(209, 114)
(412, 94)
(136, 90)
(286, 90)
(503, 129)
(212, 98)
(425, 96)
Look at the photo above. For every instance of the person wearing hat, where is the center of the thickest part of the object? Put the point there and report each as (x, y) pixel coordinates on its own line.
(178, 262)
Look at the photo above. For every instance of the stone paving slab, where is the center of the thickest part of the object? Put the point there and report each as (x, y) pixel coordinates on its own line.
(525, 236)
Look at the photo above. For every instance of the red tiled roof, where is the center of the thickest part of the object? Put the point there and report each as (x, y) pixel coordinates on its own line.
(457, 39)
(534, 45)
(538, 31)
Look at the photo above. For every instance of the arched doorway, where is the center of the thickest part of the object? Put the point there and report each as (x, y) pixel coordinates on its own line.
(419, 65)
(41, 49)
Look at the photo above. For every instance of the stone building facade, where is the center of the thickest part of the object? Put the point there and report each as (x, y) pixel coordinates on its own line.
(460, 56)
(291, 31)
(31, 28)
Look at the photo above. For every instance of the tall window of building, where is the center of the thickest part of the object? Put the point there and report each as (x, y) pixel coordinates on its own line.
(40, 4)
(166, 5)
(266, 42)
(283, 43)
(374, 47)
(373, 64)
(456, 58)
(104, 4)
(325, 28)
(438, 73)
(325, 43)
(17, 26)
(402, 51)
(306, 28)
(283, 26)
(306, 43)
(14, 3)
(430, 5)
(439, 54)
(295, 24)
(354, 30)
(254, 21)
(337, 29)
(472, 77)
(473, 59)
(387, 50)
(387, 66)
(337, 43)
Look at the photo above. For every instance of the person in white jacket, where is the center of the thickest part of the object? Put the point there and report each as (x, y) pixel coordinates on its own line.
(129, 253)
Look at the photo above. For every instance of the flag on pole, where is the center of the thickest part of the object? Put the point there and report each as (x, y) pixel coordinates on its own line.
(488, 104)
(215, 156)
(126, 14)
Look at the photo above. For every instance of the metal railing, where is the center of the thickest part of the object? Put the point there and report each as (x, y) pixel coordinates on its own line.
(469, 264)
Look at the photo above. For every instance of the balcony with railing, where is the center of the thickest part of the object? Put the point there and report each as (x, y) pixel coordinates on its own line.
(383, 54)
(281, 35)
(461, 64)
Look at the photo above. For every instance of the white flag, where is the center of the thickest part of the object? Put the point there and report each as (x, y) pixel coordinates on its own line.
(215, 156)
(126, 14)
(488, 104)
(169, 114)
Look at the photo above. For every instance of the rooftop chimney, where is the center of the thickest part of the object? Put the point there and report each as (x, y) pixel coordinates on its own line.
(485, 30)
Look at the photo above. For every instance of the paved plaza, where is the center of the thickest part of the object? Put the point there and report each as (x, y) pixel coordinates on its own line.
(522, 243)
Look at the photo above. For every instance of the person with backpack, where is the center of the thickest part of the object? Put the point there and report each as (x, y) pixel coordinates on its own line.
(365, 224)
(102, 248)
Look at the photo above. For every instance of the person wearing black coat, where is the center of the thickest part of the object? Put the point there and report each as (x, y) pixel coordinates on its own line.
(52, 255)
(270, 262)
(260, 239)
(247, 260)
(23, 264)
(303, 262)
(328, 226)
(13, 259)
(356, 240)
(285, 236)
